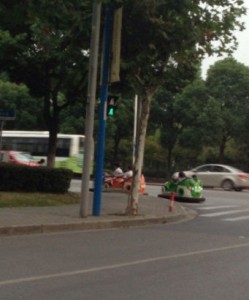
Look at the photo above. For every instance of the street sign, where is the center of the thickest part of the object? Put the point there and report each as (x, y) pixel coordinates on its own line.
(7, 114)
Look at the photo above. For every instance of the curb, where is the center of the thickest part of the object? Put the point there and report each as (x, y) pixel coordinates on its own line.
(92, 224)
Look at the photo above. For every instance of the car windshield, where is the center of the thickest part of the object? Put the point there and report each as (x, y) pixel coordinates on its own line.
(203, 169)
(235, 170)
(28, 155)
(23, 157)
(217, 168)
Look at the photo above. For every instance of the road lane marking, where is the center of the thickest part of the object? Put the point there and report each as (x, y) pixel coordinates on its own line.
(223, 213)
(217, 207)
(237, 219)
(118, 266)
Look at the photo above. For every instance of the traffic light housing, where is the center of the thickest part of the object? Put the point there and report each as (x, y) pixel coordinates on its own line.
(111, 105)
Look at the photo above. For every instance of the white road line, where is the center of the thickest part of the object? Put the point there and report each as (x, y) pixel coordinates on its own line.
(216, 207)
(237, 219)
(118, 266)
(223, 213)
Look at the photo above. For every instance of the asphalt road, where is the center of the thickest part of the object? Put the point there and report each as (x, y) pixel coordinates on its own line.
(150, 189)
(202, 259)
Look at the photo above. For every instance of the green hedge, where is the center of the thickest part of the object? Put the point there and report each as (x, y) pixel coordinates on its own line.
(34, 179)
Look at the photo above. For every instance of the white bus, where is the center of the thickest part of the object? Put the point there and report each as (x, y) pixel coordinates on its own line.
(69, 152)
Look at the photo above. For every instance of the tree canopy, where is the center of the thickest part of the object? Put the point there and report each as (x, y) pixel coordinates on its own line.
(46, 46)
(166, 49)
(228, 86)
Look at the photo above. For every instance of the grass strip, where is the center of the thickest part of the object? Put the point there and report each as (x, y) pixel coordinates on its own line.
(14, 199)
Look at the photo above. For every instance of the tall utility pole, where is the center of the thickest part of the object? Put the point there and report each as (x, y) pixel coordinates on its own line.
(91, 97)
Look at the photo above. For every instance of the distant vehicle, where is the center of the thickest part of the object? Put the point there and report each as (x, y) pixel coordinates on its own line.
(121, 183)
(69, 151)
(218, 175)
(185, 190)
(18, 158)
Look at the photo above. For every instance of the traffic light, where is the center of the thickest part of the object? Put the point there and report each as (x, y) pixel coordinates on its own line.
(111, 112)
(111, 105)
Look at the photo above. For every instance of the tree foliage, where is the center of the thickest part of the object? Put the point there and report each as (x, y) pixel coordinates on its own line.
(16, 97)
(211, 118)
(163, 42)
(44, 48)
(120, 127)
(228, 86)
(172, 38)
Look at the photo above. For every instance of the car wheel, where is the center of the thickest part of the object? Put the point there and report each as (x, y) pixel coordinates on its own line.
(227, 185)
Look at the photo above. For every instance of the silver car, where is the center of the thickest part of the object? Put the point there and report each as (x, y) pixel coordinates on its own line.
(217, 175)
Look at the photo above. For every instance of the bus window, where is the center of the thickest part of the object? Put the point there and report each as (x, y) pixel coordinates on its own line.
(63, 147)
(69, 152)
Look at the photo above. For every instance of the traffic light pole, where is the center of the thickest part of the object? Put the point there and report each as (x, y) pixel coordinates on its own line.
(99, 170)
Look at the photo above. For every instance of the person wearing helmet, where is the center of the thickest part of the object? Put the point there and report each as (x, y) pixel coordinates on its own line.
(129, 173)
(182, 176)
(171, 185)
(117, 171)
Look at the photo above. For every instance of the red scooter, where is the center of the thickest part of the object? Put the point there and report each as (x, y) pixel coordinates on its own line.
(120, 182)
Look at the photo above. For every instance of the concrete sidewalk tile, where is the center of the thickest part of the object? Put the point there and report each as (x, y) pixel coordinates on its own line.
(152, 210)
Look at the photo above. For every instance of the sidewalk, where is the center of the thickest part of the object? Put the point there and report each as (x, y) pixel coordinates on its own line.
(152, 210)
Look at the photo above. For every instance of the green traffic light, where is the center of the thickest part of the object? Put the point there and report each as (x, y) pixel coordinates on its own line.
(111, 112)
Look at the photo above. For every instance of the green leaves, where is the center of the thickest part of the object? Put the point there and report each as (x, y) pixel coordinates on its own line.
(17, 97)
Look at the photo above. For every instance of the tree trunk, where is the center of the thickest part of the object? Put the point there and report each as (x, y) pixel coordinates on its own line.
(169, 163)
(52, 145)
(132, 205)
(51, 114)
(222, 150)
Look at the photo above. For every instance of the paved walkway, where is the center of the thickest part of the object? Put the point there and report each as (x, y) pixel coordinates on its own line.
(47, 219)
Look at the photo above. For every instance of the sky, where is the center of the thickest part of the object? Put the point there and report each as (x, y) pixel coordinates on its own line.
(241, 54)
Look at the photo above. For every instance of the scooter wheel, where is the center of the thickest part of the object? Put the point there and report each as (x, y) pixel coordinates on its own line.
(106, 186)
(127, 187)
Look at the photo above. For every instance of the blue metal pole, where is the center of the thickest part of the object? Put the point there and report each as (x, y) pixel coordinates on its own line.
(98, 182)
